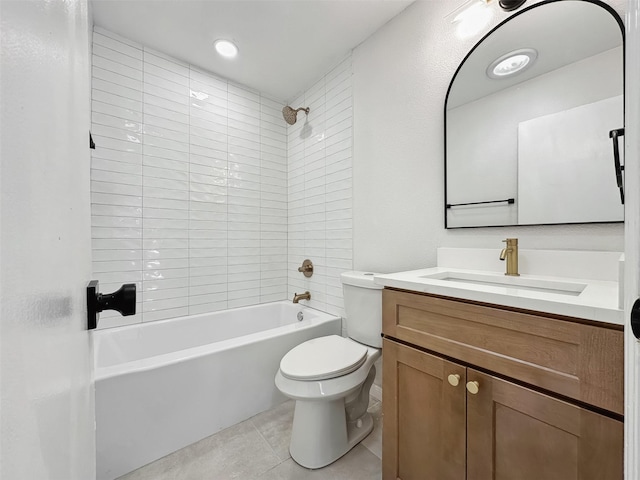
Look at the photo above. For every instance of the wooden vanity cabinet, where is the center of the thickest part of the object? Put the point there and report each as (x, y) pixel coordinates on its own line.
(424, 417)
(514, 432)
(507, 429)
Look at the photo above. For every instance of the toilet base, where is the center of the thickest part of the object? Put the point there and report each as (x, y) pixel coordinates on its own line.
(321, 434)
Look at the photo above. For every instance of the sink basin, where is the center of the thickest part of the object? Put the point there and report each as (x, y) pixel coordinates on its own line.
(519, 283)
(569, 283)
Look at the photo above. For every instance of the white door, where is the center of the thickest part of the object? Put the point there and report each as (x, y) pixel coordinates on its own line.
(46, 357)
(632, 239)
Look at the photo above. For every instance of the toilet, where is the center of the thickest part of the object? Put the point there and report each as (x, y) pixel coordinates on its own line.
(330, 378)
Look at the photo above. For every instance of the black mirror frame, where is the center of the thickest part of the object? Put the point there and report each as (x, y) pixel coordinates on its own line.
(600, 3)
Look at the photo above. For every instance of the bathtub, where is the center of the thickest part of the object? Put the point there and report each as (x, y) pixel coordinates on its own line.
(163, 385)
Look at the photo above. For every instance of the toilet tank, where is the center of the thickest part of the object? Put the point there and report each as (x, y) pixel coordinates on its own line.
(363, 307)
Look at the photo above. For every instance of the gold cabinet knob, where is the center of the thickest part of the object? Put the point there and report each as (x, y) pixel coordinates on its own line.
(454, 379)
(473, 387)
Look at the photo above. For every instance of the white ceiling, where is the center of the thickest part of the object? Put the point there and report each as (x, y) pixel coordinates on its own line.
(285, 45)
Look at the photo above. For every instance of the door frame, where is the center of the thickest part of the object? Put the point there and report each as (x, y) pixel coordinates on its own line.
(632, 238)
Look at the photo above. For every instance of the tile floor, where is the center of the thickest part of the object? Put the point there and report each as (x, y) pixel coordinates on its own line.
(258, 449)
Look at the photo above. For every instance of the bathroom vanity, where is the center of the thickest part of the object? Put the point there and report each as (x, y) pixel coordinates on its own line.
(477, 388)
(518, 375)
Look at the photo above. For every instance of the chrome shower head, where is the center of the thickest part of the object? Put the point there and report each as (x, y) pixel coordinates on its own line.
(290, 115)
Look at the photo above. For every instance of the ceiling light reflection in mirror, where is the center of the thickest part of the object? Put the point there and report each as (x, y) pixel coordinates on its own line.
(512, 63)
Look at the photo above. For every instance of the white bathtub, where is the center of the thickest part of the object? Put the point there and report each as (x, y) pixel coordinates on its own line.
(163, 385)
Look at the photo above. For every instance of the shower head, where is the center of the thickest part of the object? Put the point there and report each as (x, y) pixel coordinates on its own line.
(290, 114)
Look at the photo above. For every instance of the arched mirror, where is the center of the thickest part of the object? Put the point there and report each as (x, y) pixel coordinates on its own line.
(528, 117)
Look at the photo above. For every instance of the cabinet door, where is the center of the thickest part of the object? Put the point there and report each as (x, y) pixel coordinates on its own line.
(424, 416)
(514, 433)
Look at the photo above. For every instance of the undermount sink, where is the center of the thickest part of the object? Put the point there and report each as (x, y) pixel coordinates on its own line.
(512, 282)
(579, 284)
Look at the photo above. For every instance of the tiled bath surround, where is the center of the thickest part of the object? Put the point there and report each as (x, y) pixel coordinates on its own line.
(193, 197)
(188, 185)
(320, 189)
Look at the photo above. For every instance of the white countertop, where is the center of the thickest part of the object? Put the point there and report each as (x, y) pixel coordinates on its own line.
(598, 301)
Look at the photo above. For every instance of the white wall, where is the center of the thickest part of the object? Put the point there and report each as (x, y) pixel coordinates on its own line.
(189, 181)
(46, 363)
(320, 189)
(401, 75)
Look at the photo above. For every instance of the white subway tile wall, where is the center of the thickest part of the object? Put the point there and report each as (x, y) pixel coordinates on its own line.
(320, 189)
(189, 185)
(202, 195)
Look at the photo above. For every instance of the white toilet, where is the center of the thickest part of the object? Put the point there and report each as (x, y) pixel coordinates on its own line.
(330, 378)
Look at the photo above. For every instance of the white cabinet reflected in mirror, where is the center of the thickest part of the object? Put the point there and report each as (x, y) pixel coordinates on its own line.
(534, 147)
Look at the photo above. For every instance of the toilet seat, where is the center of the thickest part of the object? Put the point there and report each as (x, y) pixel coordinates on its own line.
(323, 358)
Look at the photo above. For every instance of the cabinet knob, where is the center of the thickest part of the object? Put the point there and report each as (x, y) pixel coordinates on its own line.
(473, 387)
(454, 379)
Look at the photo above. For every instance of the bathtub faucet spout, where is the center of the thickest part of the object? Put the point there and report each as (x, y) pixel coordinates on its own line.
(302, 296)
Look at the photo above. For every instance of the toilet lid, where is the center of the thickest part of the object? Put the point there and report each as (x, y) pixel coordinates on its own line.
(322, 358)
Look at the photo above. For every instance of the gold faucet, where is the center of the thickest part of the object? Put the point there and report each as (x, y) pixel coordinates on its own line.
(510, 253)
(302, 296)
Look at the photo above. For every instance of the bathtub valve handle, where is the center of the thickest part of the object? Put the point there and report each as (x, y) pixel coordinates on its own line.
(306, 268)
(122, 300)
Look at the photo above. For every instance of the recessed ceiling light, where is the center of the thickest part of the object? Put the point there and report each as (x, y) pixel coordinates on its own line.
(226, 48)
(512, 63)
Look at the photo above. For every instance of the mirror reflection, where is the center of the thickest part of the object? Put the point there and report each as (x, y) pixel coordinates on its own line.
(528, 116)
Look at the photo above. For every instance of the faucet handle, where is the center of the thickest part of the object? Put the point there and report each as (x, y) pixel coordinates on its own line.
(306, 268)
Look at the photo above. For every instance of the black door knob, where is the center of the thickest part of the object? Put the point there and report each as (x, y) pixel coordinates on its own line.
(635, 318)
(122, 300)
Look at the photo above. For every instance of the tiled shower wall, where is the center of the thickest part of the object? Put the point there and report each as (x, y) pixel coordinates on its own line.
(189, 185)
(190, 198)
(320, 189)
